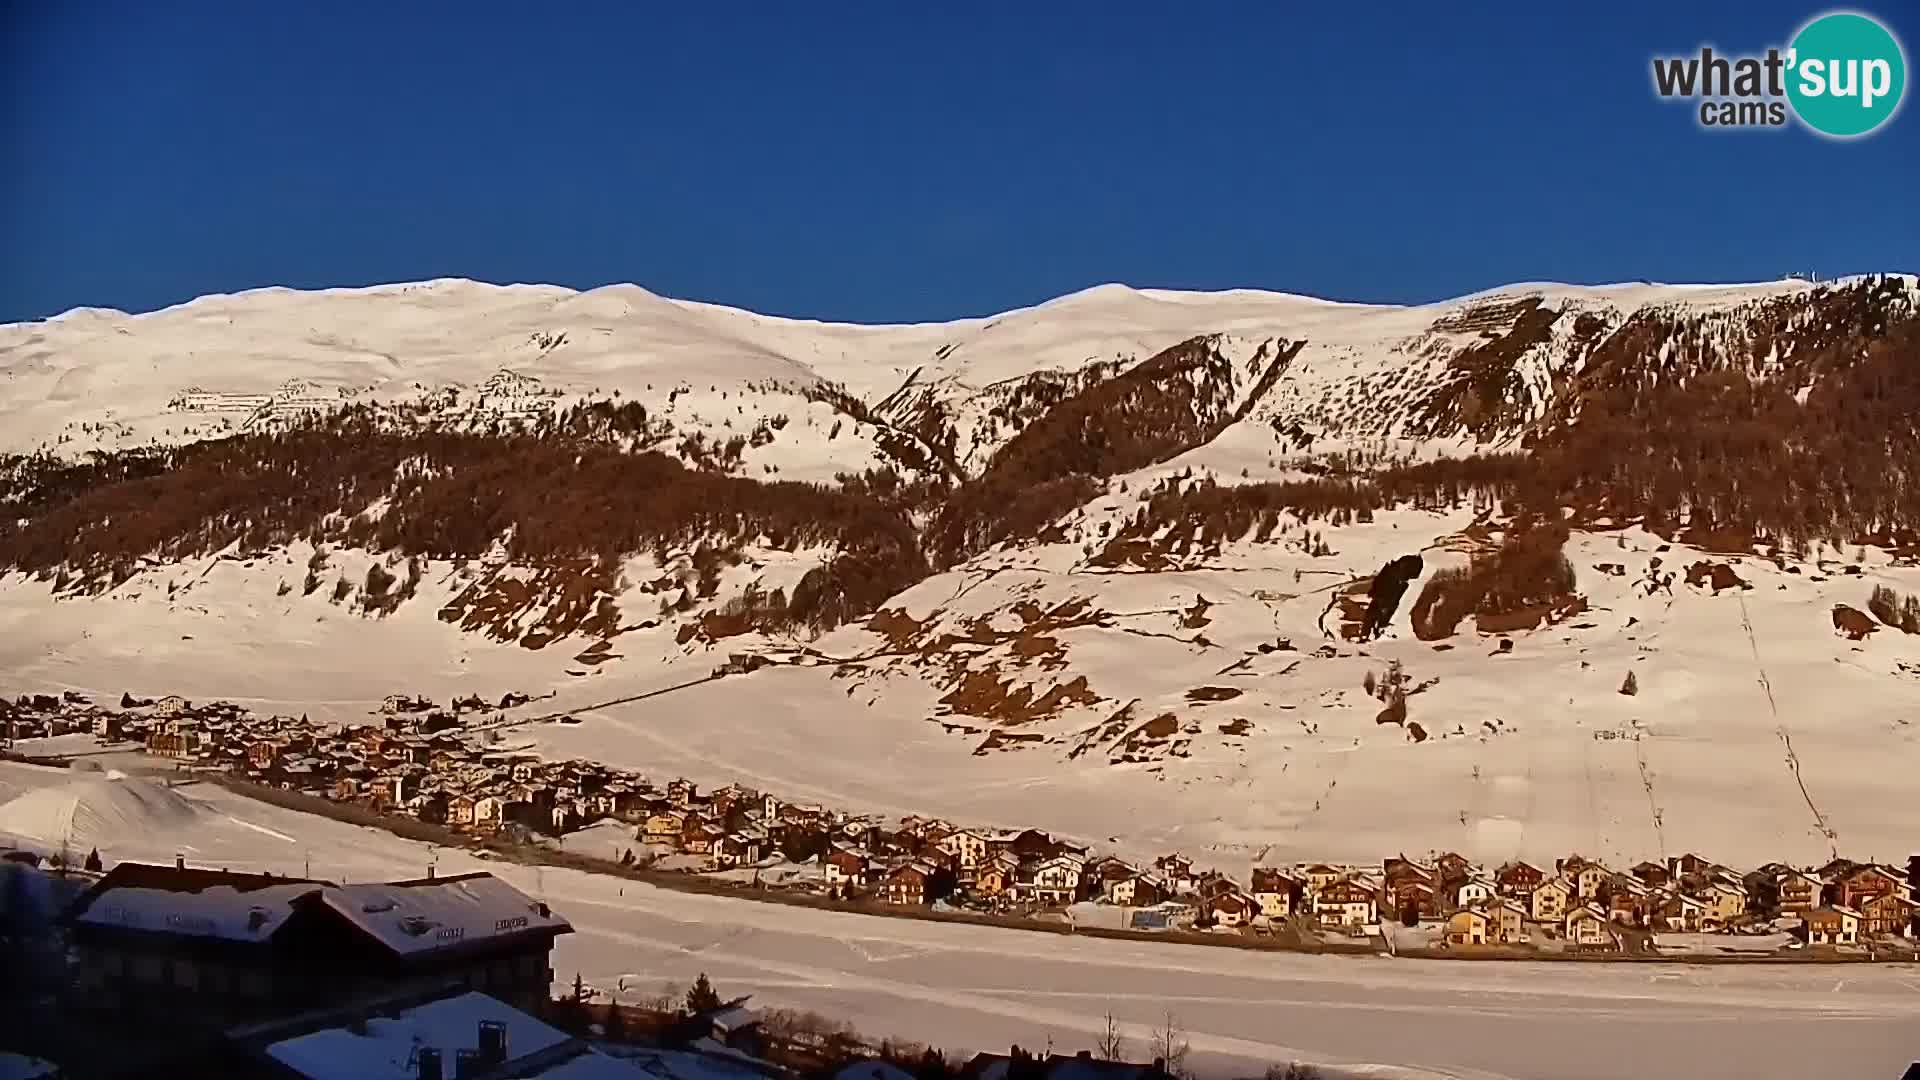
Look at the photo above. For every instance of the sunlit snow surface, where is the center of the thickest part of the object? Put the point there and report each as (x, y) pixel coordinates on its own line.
(979, 988)
(1534, 753)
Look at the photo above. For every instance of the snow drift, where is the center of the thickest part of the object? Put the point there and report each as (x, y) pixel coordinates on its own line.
(97, 811)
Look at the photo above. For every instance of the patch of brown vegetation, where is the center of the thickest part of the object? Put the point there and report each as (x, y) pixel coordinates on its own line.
(1531, 617)
(1485, 394)
(1527, 579)
(447, 495)
(1006, 740)
(573, 597)
(1185, 519)
(1733, 539)
(1195, 617)
(1794, 423)
(1156, 738)
(1895, 610)
(983, 693)
(1160, 408)
(1107, 731)
(1201, 694)
(900, 629)
(1715, 575)
(597, 653)
(1394, 713)
(715, 625)
(919, 449)
(1035, 647)
(1857, 625)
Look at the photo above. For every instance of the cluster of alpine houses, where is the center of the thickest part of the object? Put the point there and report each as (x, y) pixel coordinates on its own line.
(1588, 906)
(416, 763)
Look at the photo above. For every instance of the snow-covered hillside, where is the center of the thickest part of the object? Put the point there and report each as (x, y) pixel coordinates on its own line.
(1152, 570)
(94, 378)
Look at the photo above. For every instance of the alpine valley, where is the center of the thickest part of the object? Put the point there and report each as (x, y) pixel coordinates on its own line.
(1626, 570)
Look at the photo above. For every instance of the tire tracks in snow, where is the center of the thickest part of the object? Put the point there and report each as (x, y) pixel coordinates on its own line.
(1786, 738)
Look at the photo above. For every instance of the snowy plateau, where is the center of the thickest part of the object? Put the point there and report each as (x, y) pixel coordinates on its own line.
(1142, 579)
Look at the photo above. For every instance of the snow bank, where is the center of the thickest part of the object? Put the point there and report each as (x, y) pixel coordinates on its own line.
(97, 811)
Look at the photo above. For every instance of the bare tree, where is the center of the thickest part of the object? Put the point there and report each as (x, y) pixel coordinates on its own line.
(1112, 1045)
(1170, 1046)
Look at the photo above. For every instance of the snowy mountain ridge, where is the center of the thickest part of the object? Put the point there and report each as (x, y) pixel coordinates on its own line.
(99, 379)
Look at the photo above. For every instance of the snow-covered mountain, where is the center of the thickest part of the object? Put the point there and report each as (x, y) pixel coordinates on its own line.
(100, 379)
(1242, 571)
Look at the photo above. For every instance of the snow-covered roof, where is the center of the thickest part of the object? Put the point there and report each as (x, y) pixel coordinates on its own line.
(388, 1047)
(420, 916)
(681, 1065)
(590, 1065)
(733, 1017)
(408, 917)
(222, 911)
(872, 1070)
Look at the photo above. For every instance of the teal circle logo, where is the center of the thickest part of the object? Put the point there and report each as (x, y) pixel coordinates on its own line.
(1846, 74)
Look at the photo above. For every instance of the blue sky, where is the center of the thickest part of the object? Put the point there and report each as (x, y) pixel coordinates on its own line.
(881, 161)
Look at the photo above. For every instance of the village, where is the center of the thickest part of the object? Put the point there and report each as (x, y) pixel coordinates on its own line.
(443, 766)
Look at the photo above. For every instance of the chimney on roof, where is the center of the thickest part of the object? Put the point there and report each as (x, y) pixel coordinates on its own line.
(429, 871)
(426, 1062)
(179, 861)
(493, 1043)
